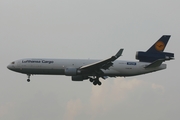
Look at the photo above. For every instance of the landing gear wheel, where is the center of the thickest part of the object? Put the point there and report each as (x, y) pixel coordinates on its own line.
(91, 79)
(28, 80)
(99, 83)
(95, 83)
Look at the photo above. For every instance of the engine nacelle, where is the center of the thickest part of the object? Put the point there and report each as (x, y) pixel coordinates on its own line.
(79, 78)
(70, 71)
(151, 57)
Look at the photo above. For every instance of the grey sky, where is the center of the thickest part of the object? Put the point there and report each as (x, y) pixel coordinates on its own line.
(87, 29)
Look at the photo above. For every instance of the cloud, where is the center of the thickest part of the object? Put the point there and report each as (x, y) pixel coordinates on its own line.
(4, 109)
(104, 97)
(158, 87)
(73, 109)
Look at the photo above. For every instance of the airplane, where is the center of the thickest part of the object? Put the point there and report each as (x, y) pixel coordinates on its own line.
(84, 69)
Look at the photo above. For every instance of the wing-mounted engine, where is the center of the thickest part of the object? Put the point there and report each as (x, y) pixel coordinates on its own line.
(79, 78)
(151, 57)
(71, 71)
(75, 73)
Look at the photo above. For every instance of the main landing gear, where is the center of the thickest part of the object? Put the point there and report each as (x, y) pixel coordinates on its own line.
(28, 80)
(95, 81)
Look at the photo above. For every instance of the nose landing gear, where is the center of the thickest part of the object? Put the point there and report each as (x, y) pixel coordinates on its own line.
(28, 80)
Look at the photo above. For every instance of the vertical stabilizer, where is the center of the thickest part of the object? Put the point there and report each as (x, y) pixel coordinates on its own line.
(155, 52)
(160, 45)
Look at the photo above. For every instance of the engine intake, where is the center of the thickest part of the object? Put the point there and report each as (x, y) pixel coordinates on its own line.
(70, 71)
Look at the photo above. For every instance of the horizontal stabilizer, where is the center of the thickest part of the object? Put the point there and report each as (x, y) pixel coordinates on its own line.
(156, 63)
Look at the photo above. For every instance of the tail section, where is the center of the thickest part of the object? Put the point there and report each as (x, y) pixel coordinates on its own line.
(160, 45)
(155, 52)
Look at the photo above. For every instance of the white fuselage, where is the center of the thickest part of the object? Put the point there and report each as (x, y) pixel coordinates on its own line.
(58, 66)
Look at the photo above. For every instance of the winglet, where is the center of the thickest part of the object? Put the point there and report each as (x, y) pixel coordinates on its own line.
(119, 53)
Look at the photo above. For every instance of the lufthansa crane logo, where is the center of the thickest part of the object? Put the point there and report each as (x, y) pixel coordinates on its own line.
(159, 46)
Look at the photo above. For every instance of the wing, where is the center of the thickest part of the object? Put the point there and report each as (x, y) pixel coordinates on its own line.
(104, 64)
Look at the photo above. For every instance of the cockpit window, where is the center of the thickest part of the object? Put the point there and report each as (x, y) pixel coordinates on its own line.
(13, 63)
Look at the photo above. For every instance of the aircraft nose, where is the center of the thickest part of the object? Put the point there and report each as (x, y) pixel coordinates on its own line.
(10, 67)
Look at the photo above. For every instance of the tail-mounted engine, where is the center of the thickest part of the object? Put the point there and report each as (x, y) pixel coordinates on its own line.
(151, 57)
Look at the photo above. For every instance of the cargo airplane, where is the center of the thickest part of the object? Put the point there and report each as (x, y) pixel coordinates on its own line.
(84, 69)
